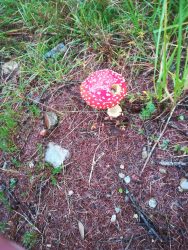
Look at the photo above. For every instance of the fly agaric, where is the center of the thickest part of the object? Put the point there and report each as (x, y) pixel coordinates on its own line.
(104, 89)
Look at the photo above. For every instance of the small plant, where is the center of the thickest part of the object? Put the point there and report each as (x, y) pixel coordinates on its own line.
(55, 172)
(4, 200)
(178, 149)
(12, 183)
(147, 112)
(184, 149)
(164, 145)
(34, 110)
(3, 227)
(29, 239)
(120, 190)
(8, 126)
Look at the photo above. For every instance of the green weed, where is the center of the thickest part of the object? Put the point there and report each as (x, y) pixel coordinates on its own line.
(29, 239)
(4, 200)
(148, 111)
(54, 173)
(3, 227)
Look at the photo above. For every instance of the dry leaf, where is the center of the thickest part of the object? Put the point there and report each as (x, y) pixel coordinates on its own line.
(81, 229)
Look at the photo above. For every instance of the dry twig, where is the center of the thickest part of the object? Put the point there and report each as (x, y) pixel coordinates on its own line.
(158, 140)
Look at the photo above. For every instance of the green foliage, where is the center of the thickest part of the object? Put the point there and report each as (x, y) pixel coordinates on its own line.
(35, 110)
(29, 239)
(12, 183)
(178, 149)
(8, 125)
(4, 200)
(164, 145)
(54, 173)
(3, 227)
(184, 149)
(147, 112)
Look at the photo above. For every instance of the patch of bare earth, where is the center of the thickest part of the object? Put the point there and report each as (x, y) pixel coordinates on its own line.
(98, 147)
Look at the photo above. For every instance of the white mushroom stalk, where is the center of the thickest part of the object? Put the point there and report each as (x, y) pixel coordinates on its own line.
(115, 111)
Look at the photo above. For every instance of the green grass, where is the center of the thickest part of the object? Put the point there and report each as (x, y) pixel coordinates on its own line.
(135, 33)
(171, 50)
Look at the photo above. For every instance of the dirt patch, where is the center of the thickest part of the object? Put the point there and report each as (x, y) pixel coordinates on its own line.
(98, 147)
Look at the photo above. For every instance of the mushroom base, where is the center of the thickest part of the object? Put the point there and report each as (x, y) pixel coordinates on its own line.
(114, 111)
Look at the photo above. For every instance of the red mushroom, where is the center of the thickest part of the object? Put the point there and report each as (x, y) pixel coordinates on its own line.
(104, 89)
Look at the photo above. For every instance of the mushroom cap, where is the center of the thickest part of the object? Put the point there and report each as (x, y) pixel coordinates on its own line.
(103, 89)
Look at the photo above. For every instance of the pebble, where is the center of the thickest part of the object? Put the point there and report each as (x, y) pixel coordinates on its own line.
(50, 119)
(121, 175)
(113, 218)
(144, 153)
(152, 203)
(70, 193)
(9, 68)
(162, 170)
(60, 48)
(184, 184)
(135, 216)
(31, 164)
(122, 166)
(127, 179)
(43, 132)
(118, 210)
(56, 155)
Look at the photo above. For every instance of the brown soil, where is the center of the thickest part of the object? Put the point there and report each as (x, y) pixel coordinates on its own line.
(94, 140)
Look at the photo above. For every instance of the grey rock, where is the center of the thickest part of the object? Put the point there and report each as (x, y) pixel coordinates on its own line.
(118, 210)
(152, 203)
(50, 119)
(127, 179)
(10, 68)
(162, 170)
(113, 218)
(60, 48)
(56, 155)
(184, 184)
(121, 175)
(144, 153)
(122, 166)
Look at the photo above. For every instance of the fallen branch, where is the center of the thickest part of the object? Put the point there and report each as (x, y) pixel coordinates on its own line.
(171, 163)
(158, 140)
(145, 221)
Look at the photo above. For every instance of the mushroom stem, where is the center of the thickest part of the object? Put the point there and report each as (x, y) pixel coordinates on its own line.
(114, 111)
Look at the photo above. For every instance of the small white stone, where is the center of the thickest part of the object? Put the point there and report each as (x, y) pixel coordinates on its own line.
(127, 179)
(56, 155)
(113, 218)
(184, 184)
(144, 153)
(70, 193)
(180, 189)
(49, 245)
(121, 175)
(122, 166)
(135, 216)
(31, 164)
(162, 170)
(152, 203)
(118, 210)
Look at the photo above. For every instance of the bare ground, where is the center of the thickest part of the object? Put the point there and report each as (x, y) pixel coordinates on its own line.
(98, 147)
